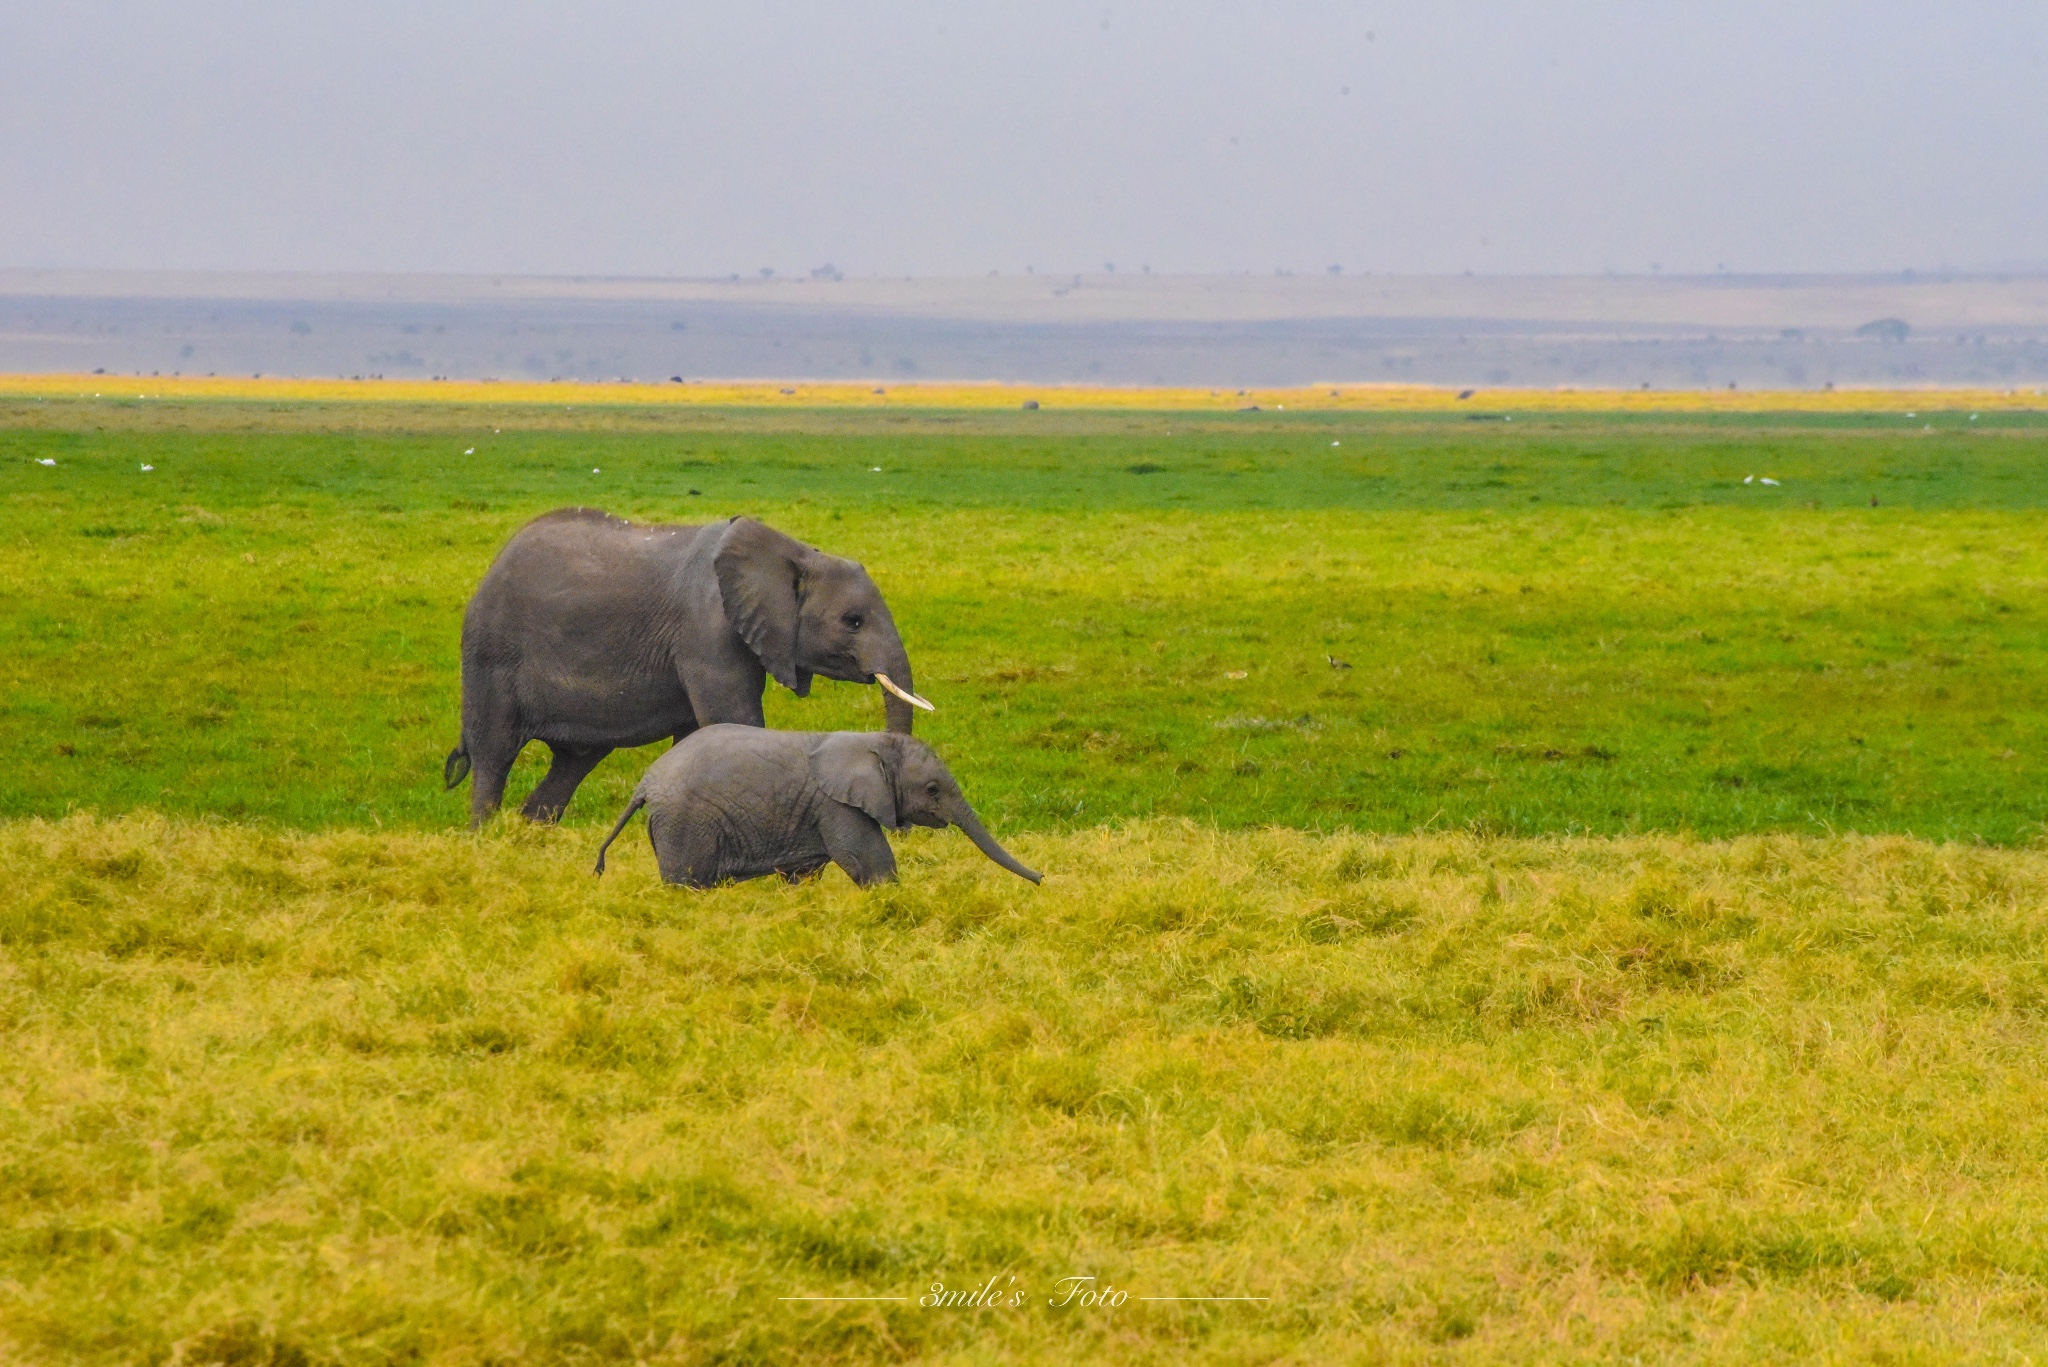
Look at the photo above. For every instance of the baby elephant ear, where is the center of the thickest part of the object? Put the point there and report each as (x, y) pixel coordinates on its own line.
(848, 769)
(758, 571)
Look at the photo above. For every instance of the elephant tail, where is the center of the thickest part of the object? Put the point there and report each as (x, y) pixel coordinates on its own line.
(639, 801)
(457, 767)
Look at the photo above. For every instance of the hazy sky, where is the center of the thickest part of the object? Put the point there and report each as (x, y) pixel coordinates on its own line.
(893, 138)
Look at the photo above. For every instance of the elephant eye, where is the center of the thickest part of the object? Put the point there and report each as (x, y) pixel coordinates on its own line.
(852, 620)
(932, 788)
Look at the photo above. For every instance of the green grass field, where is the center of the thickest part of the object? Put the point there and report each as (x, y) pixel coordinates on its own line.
(1569, 625)
(1637, 953)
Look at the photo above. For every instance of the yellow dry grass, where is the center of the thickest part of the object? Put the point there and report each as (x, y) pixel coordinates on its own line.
(1389, 398)
(347, 1097)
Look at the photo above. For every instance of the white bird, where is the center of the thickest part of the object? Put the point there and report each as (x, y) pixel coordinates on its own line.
(595, 471)
(874, 469)
(1912, 415)
(1767, 480)
(469, 451)
(1336, 443)
(45, 460)
(147, 468)
(1749, 479)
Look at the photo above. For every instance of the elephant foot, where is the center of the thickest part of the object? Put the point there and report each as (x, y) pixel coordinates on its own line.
(803, 875)
(550, 797)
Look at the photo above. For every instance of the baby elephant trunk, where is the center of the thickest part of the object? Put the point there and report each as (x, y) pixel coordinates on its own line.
(965, 819)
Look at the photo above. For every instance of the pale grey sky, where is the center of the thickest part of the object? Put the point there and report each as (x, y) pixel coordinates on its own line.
(927, 138)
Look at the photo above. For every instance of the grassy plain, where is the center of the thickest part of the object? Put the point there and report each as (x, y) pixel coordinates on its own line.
(1517, 992)
(1559, 624)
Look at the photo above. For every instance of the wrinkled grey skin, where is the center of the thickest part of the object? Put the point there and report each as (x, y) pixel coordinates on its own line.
(591, 633)
(735, 802)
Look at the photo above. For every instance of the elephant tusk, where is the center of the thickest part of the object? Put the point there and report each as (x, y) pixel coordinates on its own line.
(911, 698)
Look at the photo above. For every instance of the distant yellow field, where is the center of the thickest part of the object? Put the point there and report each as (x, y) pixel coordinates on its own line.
(846, 394)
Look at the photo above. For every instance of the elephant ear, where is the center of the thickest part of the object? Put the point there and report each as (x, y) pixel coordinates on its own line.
(758, 572)
(850, 769)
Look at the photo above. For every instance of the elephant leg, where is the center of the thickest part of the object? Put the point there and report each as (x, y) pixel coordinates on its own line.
(492, 739)
(688, 852)
(855, 841)
(552, 794)
(726, 694)
(490, 765)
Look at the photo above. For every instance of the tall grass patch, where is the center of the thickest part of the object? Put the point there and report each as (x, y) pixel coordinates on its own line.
(358, 1096)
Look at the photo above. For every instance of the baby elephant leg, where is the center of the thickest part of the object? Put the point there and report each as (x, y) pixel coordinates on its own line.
(856, 843)
(687, 851)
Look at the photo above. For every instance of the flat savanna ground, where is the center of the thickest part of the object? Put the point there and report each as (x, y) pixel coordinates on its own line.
(1637, 949)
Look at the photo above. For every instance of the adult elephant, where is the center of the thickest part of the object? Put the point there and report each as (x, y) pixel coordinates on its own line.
(591, 633)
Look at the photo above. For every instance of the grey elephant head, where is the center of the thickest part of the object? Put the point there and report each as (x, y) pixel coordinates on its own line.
(804, 612)
(900, 782)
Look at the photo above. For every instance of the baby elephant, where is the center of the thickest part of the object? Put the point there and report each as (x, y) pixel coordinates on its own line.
(733, 802)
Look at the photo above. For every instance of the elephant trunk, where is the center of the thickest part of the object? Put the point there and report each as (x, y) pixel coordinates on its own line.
(965, 819)
(896, 665)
